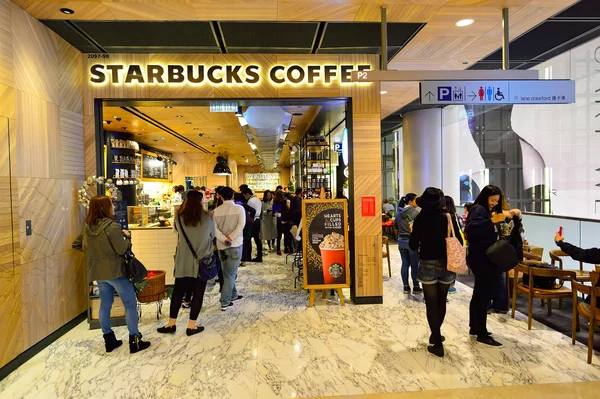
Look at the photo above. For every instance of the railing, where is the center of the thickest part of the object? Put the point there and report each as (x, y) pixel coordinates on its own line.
(540, 230)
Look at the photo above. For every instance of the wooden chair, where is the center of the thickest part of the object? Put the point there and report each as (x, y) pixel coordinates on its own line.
(559, 292)
(386, 253)
(589, 312)
(529, 259)
(580, 275)
(598, 268)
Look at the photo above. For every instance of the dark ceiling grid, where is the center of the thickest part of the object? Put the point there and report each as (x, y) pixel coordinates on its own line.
(218, 35)
(319, 34)
(269, 37)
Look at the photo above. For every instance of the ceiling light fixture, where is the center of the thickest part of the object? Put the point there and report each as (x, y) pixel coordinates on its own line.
(253, 146)
(67, 11)
(243, 121)
(180, 116)
(188, 123)
(221, 168)
(168, 106)
(465, 22)
(383, 92)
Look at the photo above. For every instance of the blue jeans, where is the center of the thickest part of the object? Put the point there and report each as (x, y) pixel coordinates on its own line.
(410, 259)
(230, 261)
(125, 290)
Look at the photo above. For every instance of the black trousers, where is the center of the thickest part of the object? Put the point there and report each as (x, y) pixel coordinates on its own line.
(483, 292)
(257, 239)
(198, 287)
(247, 248)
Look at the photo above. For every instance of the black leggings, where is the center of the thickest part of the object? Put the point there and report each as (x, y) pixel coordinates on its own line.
(198, 287)
(483, 292)
(435, 302)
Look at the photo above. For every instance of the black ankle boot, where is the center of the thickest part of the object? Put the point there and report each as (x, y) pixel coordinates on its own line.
(111, 342)
(136, 344)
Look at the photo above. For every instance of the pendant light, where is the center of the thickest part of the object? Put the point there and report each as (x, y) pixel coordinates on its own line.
(221, 168)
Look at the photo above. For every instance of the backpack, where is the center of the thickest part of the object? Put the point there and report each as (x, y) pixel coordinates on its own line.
(545, 283)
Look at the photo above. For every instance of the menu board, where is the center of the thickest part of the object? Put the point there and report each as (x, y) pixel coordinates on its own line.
(325, 240)
(154, 169)
(262, 181)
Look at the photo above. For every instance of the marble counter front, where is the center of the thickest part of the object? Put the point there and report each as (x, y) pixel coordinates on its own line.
(155, 248)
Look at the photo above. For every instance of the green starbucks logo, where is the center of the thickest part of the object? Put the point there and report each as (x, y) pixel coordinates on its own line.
(336, 270)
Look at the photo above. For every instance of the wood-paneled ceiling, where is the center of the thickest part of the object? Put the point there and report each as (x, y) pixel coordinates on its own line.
(216, 132)
(439, 45)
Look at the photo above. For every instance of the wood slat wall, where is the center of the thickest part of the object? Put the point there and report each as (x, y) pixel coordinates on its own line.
(366, 111)
(42, 283)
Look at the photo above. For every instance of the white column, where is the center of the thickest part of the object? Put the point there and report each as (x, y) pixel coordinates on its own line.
(452, 118)
(422, 149)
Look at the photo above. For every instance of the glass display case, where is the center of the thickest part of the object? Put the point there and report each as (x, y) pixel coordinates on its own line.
(151, 216)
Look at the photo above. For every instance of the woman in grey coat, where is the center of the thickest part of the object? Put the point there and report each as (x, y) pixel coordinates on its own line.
(269, 221)
(199, 227)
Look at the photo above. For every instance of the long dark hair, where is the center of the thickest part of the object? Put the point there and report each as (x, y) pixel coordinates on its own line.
(279, 197)
(450, 207)
(486, 193)
(267, 192)
(192, 211)
(410, 197)
(100, 207)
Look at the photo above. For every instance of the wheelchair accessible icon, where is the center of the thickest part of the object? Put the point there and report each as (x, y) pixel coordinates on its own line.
(499, 96)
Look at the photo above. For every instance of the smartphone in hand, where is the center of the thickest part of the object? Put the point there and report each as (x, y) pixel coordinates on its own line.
(560, 230)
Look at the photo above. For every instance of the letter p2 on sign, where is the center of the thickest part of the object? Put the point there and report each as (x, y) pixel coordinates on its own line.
(368, 203)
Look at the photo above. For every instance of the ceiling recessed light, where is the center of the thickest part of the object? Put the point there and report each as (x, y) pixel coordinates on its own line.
(196, 128)
(383, 92)
(162, 138)
(180, 116)
(465, 22)
(143, 130)
(168, 106)
(188, 123)
(67, 11)
(465, 63)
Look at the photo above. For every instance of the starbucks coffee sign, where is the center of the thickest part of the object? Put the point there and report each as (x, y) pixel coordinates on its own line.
(156, 74)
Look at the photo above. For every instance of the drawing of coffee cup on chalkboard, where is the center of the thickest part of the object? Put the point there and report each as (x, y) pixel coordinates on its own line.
(333, 255)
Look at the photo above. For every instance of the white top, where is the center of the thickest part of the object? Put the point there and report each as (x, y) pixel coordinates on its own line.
(255, 203)
(388, 207)
(230, 220)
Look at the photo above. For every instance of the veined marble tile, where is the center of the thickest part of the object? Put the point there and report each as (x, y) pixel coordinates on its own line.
(271, 345)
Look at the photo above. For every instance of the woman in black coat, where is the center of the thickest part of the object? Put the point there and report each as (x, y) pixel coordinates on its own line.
(481, 234)
(428, 235)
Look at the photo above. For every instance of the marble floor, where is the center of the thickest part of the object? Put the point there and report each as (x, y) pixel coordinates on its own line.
(270, 345)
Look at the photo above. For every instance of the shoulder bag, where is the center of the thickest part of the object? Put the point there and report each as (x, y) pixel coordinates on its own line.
(132, 268)
(502, 255)
(207, 267)
(455, 253)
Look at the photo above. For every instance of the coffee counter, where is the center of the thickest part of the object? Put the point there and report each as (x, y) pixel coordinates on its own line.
(155, 248)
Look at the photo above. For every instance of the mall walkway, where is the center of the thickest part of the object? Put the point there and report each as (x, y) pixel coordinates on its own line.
(271, 346)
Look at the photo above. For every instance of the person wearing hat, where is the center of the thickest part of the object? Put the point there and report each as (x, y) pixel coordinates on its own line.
(428, 236)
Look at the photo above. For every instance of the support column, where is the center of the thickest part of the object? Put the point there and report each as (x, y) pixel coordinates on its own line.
(422, 149)
(384, 40)
(505, 40)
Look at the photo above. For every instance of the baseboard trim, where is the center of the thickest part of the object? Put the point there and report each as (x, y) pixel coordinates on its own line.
(368, 300)
(40, 346)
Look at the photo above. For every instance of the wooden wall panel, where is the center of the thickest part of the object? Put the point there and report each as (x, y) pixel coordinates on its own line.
(370, 11)
(89, 145)
(157, 11)
(35, 58)
(368, 274)
(6, 49)
(71, 143)
(86, 10)
(70, 69)
(11, 328)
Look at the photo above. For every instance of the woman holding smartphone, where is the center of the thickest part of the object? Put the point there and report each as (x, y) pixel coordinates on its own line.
(481, 233)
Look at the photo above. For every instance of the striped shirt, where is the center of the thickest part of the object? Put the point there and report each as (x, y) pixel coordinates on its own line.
(230, 220)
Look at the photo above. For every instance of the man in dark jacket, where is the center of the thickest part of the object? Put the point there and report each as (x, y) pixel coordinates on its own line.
(591, 255)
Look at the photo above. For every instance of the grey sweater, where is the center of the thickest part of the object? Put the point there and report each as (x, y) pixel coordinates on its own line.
(201, 237)
(101, 260)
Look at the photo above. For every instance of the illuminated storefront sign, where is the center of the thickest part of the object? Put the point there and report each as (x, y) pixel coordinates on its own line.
(117, 74)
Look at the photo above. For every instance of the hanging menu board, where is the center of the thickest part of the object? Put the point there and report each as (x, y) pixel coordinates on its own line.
(325, 240)
(154, 169)
(262, 181)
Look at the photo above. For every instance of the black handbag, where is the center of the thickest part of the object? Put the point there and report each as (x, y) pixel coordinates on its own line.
(502, 255)
(207, 267)
(132, 268)
(546, 283)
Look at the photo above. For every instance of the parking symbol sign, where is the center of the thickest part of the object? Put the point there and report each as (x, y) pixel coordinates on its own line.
(444, 93)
